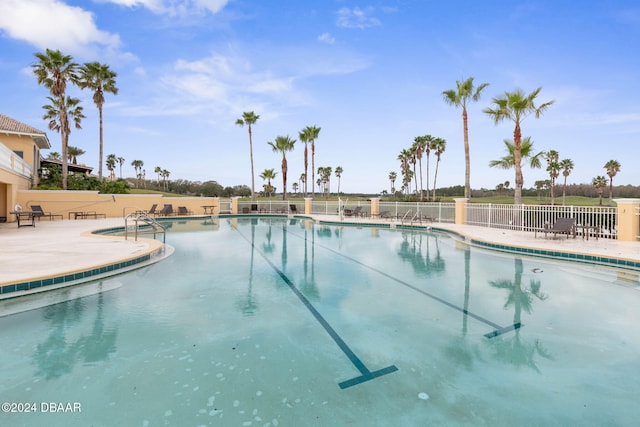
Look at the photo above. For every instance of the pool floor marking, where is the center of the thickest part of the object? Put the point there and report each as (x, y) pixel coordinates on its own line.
(498, 330)
(366, 374)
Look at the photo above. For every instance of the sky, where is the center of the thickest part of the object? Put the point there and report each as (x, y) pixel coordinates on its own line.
(369, 73)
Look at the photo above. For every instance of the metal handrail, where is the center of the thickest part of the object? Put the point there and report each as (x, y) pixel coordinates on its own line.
(146, 220)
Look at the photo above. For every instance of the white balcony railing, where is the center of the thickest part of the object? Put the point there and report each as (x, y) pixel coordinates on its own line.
(14, 163)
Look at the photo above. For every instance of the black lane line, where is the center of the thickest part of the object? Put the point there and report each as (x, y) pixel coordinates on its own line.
(366, 374)
(498, 330)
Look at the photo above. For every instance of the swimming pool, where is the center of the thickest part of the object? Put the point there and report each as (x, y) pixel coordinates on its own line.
(277, 322)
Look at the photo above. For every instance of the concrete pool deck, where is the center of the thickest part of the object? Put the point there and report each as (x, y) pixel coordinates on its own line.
(54, 248)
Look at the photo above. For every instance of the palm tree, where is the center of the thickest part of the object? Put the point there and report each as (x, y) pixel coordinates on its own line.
(459, 97)
(54, 70)
(54, 155)
(111, 165)
(338, 173)
(58, 114)
(553, 167)
(612, 167)
(137, 166)
(120, 162)
(311, 133)
(325, 174)
(268, 175)
(526, 153)
(294, 187)
(438, 146)
(158, 171)
(418, 147)
(165, 174)
(600, 183)
(303, 180)
(428, 140)
(249, 118)
(304, 136)
(405, 158)
(516, 106)
(567, 166)
(100, 79)
(392, 178)
(73, 153)
(283, 144)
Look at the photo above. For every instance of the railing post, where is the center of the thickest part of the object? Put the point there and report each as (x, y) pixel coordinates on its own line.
(308, 207)
(461, 210)
(628, 219)
(234, 204)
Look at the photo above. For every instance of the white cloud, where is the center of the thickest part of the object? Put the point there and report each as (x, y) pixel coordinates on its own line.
(175, 7)
(326, 38)
(55, 25)
(357, 18)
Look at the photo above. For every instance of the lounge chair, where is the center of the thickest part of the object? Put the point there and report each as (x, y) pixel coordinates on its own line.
(166, 210)
(354, 212)
(182, 210)
(384, 215)
(561, 226)
(245, 210)
(39, 213)
(254, 207)
(293, 209)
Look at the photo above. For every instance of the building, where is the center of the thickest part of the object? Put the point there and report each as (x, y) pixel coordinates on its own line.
(20, 146)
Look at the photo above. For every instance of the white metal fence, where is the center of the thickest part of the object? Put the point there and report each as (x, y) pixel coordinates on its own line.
(598, 221)
(437, 212)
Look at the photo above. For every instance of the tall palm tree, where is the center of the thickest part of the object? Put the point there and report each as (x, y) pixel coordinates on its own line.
(600, 183)
(54, 70)
(303, 180)
(158, 171)
(58, 114)
(516, 106)
(612, 167)
(553, 167)
(392, 178)
(312, 132)
(438, 146)
(120, 162)
(428, 141)
(405, 159)
(418, 147)
(111, 165)
(459, 97)
(165, 174)
(338, 173)
(268, 175)
(526, 153)
(567, 166)
(304, 136)
(137, 166)
(248, 119)
(283, 144)
(100, 79)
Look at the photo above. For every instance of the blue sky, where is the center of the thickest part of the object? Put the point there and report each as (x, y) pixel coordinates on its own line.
(370, 74)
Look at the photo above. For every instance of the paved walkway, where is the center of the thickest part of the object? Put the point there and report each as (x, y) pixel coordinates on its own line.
(53, 248)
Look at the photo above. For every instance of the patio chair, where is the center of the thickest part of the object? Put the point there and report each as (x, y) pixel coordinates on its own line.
(561, 226)
(354, 212)
(384, 215)
(293, 209)
(182, 210)
(254, 207)
(38, 212)
(166, 210)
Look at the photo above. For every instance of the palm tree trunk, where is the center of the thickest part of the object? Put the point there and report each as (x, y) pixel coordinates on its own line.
(313, 168)
(421, 191)
(517, 142)
(284, 177)
(467, 160)
(101, 146)
(253, 191)
(435, 177)
(306, 166)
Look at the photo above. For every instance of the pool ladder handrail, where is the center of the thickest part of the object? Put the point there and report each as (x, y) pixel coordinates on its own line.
(405, 216)
(147, 221)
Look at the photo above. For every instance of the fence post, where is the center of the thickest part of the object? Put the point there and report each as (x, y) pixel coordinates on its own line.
(375, 207)
(628, 219)
(461, 210)
(234, 204)
(308, 209)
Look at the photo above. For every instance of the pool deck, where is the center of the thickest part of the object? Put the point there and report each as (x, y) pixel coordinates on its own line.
(54, 248)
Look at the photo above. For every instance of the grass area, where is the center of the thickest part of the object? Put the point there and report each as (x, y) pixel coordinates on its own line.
(533, 200)
(163, 193)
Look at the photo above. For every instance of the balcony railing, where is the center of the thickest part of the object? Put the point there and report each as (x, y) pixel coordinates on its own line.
(14, 163)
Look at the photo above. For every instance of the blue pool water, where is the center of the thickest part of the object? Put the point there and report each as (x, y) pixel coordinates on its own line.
(277, 322)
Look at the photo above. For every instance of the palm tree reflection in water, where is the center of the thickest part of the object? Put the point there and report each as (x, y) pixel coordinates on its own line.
(510, 348)
(57, 356)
